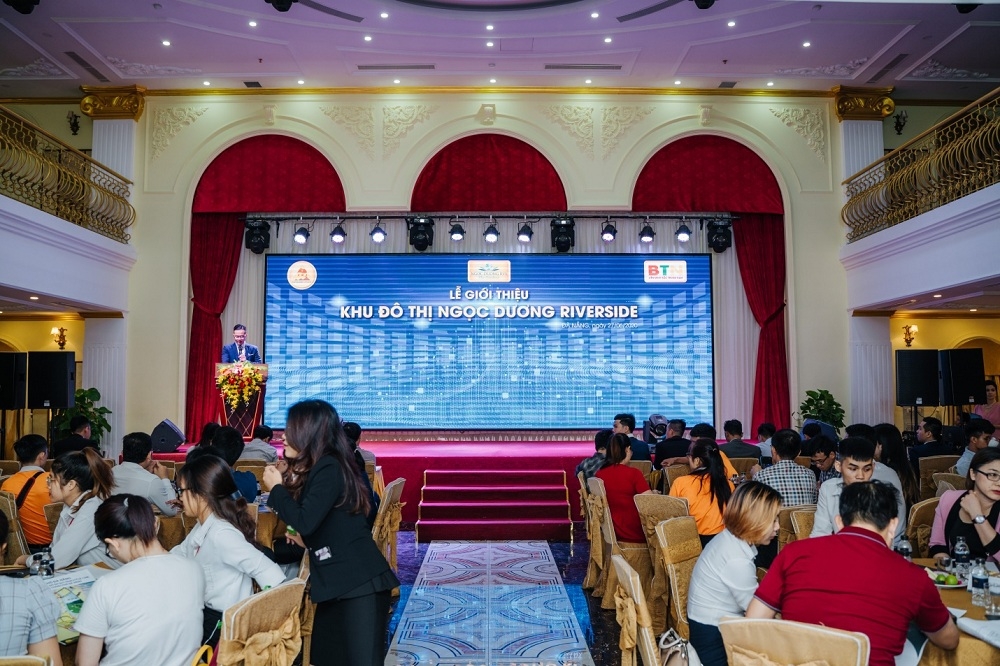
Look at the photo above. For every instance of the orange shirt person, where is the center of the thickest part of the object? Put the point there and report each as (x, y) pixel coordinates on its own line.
(707, 488)
(32, 452)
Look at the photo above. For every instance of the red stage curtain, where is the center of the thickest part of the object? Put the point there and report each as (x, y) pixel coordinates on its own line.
(488, 172)
(706, 173)
(760, 251)
(269, 174)
(216, 240)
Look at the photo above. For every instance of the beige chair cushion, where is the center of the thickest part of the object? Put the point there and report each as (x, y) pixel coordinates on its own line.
(263, 630)
(783, 642)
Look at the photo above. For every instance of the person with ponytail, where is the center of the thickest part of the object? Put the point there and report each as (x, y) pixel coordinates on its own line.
(81, 480)
(324, 501)
(224, 542)
(707, 489)
(622, 483)
(127, 611)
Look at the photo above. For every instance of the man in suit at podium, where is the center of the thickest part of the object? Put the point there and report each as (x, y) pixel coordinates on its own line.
(239, 350)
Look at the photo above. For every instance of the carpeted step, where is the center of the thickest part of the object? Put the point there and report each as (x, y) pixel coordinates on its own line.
(519, 493)
(494, 477)
(516, 510)
(493, 530)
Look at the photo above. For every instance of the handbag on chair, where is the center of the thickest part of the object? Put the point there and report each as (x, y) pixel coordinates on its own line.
(675, 651)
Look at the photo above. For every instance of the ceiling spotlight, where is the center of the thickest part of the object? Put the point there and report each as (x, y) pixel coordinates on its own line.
(421, 232)
(368, 38)
(166, 42)
(563, 233)
(587, 81)
(609, 232)
(646, 234)
(607, 40)
(492, 234)
(594, 15)
(395, 80)
(806, 44)
(281, 5)
(489, 27)
(704, 4)
(384, 14)
(720, 235)
(683, 234)
(338, 235)
(770, 84)
(378, 233)
(206, 83)
(301, 235)
(258, 235)
(732, 24)
(252, 24)
(457, 231)
(525, 233)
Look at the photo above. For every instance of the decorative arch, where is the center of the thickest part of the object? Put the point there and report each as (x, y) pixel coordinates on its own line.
(715, 174)
(488, 172)
(269, 173)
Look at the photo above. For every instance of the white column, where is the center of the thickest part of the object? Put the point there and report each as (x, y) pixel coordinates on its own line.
(872, 379)
(862, 144)
(114, 145)
(104, 369)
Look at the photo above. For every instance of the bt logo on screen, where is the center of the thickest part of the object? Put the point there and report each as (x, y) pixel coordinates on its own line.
(664, 271)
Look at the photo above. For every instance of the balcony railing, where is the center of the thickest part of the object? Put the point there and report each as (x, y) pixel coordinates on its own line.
(953, 159)
(39, 170)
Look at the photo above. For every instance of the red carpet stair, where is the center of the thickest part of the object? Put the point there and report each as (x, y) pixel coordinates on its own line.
(481, 505)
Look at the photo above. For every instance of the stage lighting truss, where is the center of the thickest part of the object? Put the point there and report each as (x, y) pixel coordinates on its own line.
(421, 232)
(609, 232)
(337, 234)
(646, 234)
(525, 233)
(301, 236)
(563, 233)
(683, 233)
(492, 234)
(720, 235)
(377, 233)
(457, 232)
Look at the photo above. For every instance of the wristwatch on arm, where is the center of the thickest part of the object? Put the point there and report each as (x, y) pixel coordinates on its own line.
(979, 520)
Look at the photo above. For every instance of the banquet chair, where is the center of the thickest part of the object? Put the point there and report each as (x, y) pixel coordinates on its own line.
(26, 660)
(307, 613)
(743, 465)
(636, 554)
(918, 526)
(263, 628)
(750, 641)
(929, 466)
(593, 513)
(633, 617)
(786, 532)
(9, 467)
(653, 510)
(386, 527)
(366, 455)
(674, 472)
(170, 466)
(644, 466)
(52, 513)
(680, 547)
(802, 520)
(655, 479)
(805, 461)
(17, 545)
(254, 466)
(956, 481)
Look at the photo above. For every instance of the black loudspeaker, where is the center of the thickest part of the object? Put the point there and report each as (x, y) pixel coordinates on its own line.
(13, 380)
(166, 437)
(963, 377)
(51, 380)
(916, 377)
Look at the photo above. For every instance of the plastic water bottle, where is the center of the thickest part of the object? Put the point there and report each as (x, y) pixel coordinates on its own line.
(905, 549)
(47, 566)
(980, 584)
(961, 556)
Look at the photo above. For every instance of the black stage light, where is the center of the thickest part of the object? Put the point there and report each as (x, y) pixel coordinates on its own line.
(563, 233)
(258, 235)
(703, 4)
(421, 232)
(720, 235)
(281, 5)
(609, 233)
(301, 235)
(378, 233)
(963, 8)
(338, 235)
(24, 6)
(457, 232)
(492, 234)
(646, 234)
(683, 233)
(525, 233)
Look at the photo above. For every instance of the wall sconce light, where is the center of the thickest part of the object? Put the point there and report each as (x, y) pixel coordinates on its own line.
(74, 122)
(908, 334)
(900, 123)
(59, 335)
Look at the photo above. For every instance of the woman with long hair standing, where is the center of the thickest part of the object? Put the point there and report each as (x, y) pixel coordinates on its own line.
(991, 410)
(322, 496)
(707, 489)
(120, 614)
(81, 480)
(224, 542)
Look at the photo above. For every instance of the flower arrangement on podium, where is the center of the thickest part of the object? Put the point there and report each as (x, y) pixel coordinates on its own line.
(239, 383)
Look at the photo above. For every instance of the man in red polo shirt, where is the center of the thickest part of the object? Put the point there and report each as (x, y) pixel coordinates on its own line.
(852, 580)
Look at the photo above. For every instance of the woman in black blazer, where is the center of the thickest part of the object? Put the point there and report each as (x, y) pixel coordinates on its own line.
(323, 498)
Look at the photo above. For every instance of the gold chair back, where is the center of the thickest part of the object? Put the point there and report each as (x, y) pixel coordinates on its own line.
(594, 578)
(637, 554)
(644, 466)
(956, 481)
(673, 473)
(805, 461)
(9, 467)
(743, 465)
(918, 526)
(929, 466)
(653, 510)
(52, 513)
(786, 642)
(786, 532)
(803, 518)
(370, 471)
(17, 545)
(263, 629)
(26, 660)
(307, 614)
(583, 501)
(680, 548)
(170, 466)
(254, 466)
(386, 527)
(633, 617)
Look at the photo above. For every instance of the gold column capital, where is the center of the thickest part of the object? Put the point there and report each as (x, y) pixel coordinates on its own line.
(113, 102)
(863, 103)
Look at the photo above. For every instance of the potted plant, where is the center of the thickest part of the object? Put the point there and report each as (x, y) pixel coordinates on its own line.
(85, 405)
(822, 406)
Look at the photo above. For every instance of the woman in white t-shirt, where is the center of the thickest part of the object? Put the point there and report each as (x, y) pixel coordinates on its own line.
(725, 577)
(149, 610)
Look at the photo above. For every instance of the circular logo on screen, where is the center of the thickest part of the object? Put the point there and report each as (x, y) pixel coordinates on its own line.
(301, 275)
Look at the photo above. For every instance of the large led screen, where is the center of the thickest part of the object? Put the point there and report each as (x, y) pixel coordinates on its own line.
(521, 341)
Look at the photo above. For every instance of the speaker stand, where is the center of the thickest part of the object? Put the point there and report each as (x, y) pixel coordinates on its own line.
(3, 434)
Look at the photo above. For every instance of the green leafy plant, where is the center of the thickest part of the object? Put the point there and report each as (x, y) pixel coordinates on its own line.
(822, 406)
(86, 405)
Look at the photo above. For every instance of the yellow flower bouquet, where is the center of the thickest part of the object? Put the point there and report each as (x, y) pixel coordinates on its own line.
(239, 383)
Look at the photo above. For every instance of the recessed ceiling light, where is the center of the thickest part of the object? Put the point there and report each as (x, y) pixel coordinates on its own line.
(493, 80)
(301, 82)
(587, 81)
(973, 310)
(384, 14)
(770, 83)
(368, 38)
(937, 295)
(807, 44)
(395, 80)
(607, 40)
(206, 83)
(166, 42)
(252, 24)
(489, 27)
(490, 44)
(677, 82)
(732, 24)
(594, 14)
(32, 298)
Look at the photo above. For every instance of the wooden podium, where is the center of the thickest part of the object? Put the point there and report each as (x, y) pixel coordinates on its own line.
(246, 416)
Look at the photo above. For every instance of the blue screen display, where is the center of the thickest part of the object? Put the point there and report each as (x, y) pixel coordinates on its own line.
(521, 341)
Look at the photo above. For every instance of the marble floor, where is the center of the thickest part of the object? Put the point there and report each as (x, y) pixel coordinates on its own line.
(498, 603)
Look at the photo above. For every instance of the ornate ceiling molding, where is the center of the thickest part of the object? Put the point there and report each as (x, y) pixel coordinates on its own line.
(578, 121)
(932, 69)
(358, 120)
(142, 69)
(840, 70)
(862, 103)
(397, 121)
(168, 123)
(810, 124)
(113, 103)
(615, 121)
(40, 67)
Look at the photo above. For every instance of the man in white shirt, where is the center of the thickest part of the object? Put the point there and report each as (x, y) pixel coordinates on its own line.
(978, 434)
(140, 475)
(259, 448)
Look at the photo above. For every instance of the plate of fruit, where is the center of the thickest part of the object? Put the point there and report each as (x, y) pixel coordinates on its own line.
(946, 580)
